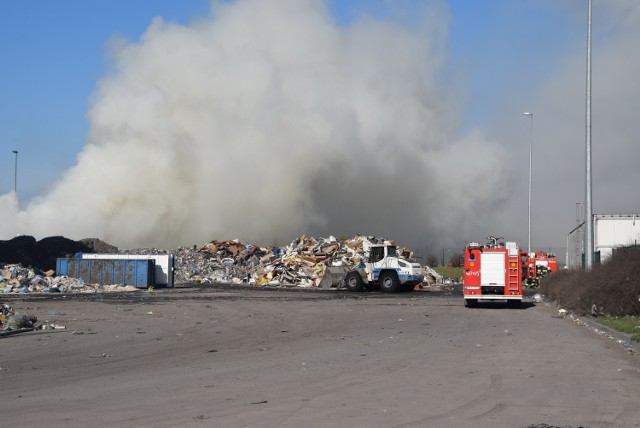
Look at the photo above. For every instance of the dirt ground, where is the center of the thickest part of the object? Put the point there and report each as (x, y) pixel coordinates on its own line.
(254, 358)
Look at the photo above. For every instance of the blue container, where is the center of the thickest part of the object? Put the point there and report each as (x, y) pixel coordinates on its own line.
(139, 273)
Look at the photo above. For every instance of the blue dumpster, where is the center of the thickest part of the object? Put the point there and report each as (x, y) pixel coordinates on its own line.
(139, 273)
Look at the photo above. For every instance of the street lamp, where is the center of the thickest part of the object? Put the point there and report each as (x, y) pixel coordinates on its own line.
(527, 113)
(15, 173)
(588, 208)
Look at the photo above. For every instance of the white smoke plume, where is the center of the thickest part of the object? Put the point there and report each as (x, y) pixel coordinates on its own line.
(559, 128)
(267, 120)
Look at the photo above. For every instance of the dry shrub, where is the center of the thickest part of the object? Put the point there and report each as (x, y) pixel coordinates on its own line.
(610, 288)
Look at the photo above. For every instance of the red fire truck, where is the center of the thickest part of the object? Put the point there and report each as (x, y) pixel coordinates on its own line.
(493, 271)
(541, 264)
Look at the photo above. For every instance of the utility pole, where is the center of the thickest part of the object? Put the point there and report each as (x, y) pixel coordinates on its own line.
(15, 173)
(588, 208)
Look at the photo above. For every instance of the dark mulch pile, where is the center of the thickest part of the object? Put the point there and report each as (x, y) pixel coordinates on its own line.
(43, 254)
(611, 288)
(98, 246)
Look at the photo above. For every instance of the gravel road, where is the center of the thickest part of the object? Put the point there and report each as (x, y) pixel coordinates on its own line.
(255, 358)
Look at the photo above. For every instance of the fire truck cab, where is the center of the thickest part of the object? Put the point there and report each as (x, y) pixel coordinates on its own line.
(493, 271)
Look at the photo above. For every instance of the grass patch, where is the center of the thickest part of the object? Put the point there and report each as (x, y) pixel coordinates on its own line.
(629, 325)
(449, 272)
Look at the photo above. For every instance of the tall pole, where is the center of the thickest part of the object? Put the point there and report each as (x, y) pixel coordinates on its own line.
(15, 173)
(588, 209)
(526, 113)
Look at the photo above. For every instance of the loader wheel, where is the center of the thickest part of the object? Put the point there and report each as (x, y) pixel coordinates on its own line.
(353, 281)
(389, 282)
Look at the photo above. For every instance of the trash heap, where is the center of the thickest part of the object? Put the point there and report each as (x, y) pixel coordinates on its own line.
(302, 263)
(14, 278)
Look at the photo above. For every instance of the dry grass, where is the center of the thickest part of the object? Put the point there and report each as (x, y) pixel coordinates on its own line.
(611, 288)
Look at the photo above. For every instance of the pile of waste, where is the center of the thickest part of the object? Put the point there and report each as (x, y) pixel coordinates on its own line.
(14, 278)
(302, 263)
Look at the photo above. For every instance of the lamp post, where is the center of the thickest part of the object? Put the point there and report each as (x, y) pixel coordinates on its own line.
(527, 113)
(15, 173)
(588, 209)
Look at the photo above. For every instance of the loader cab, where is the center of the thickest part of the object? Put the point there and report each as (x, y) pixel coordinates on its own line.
(377, 253)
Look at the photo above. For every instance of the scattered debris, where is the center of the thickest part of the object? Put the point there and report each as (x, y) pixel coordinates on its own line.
(627, 344)
(53, 327)
(12, 323)
(89, 331)
(552, 426)
(5, 311)
(20, 322)
(201, 418)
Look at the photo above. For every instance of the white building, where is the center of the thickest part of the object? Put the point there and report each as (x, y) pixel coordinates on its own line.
(610, 231)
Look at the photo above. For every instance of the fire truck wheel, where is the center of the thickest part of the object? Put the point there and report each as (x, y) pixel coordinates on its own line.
(514, 304)
(353, 281)
(471, 303)
(389, 282)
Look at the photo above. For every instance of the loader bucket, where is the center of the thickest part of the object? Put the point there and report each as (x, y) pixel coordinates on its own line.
(333, 276)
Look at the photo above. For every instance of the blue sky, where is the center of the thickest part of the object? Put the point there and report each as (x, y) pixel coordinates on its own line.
(54, 53)
(501, 57)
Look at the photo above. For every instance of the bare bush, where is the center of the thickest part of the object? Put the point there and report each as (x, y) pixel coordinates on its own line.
(611, 288)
